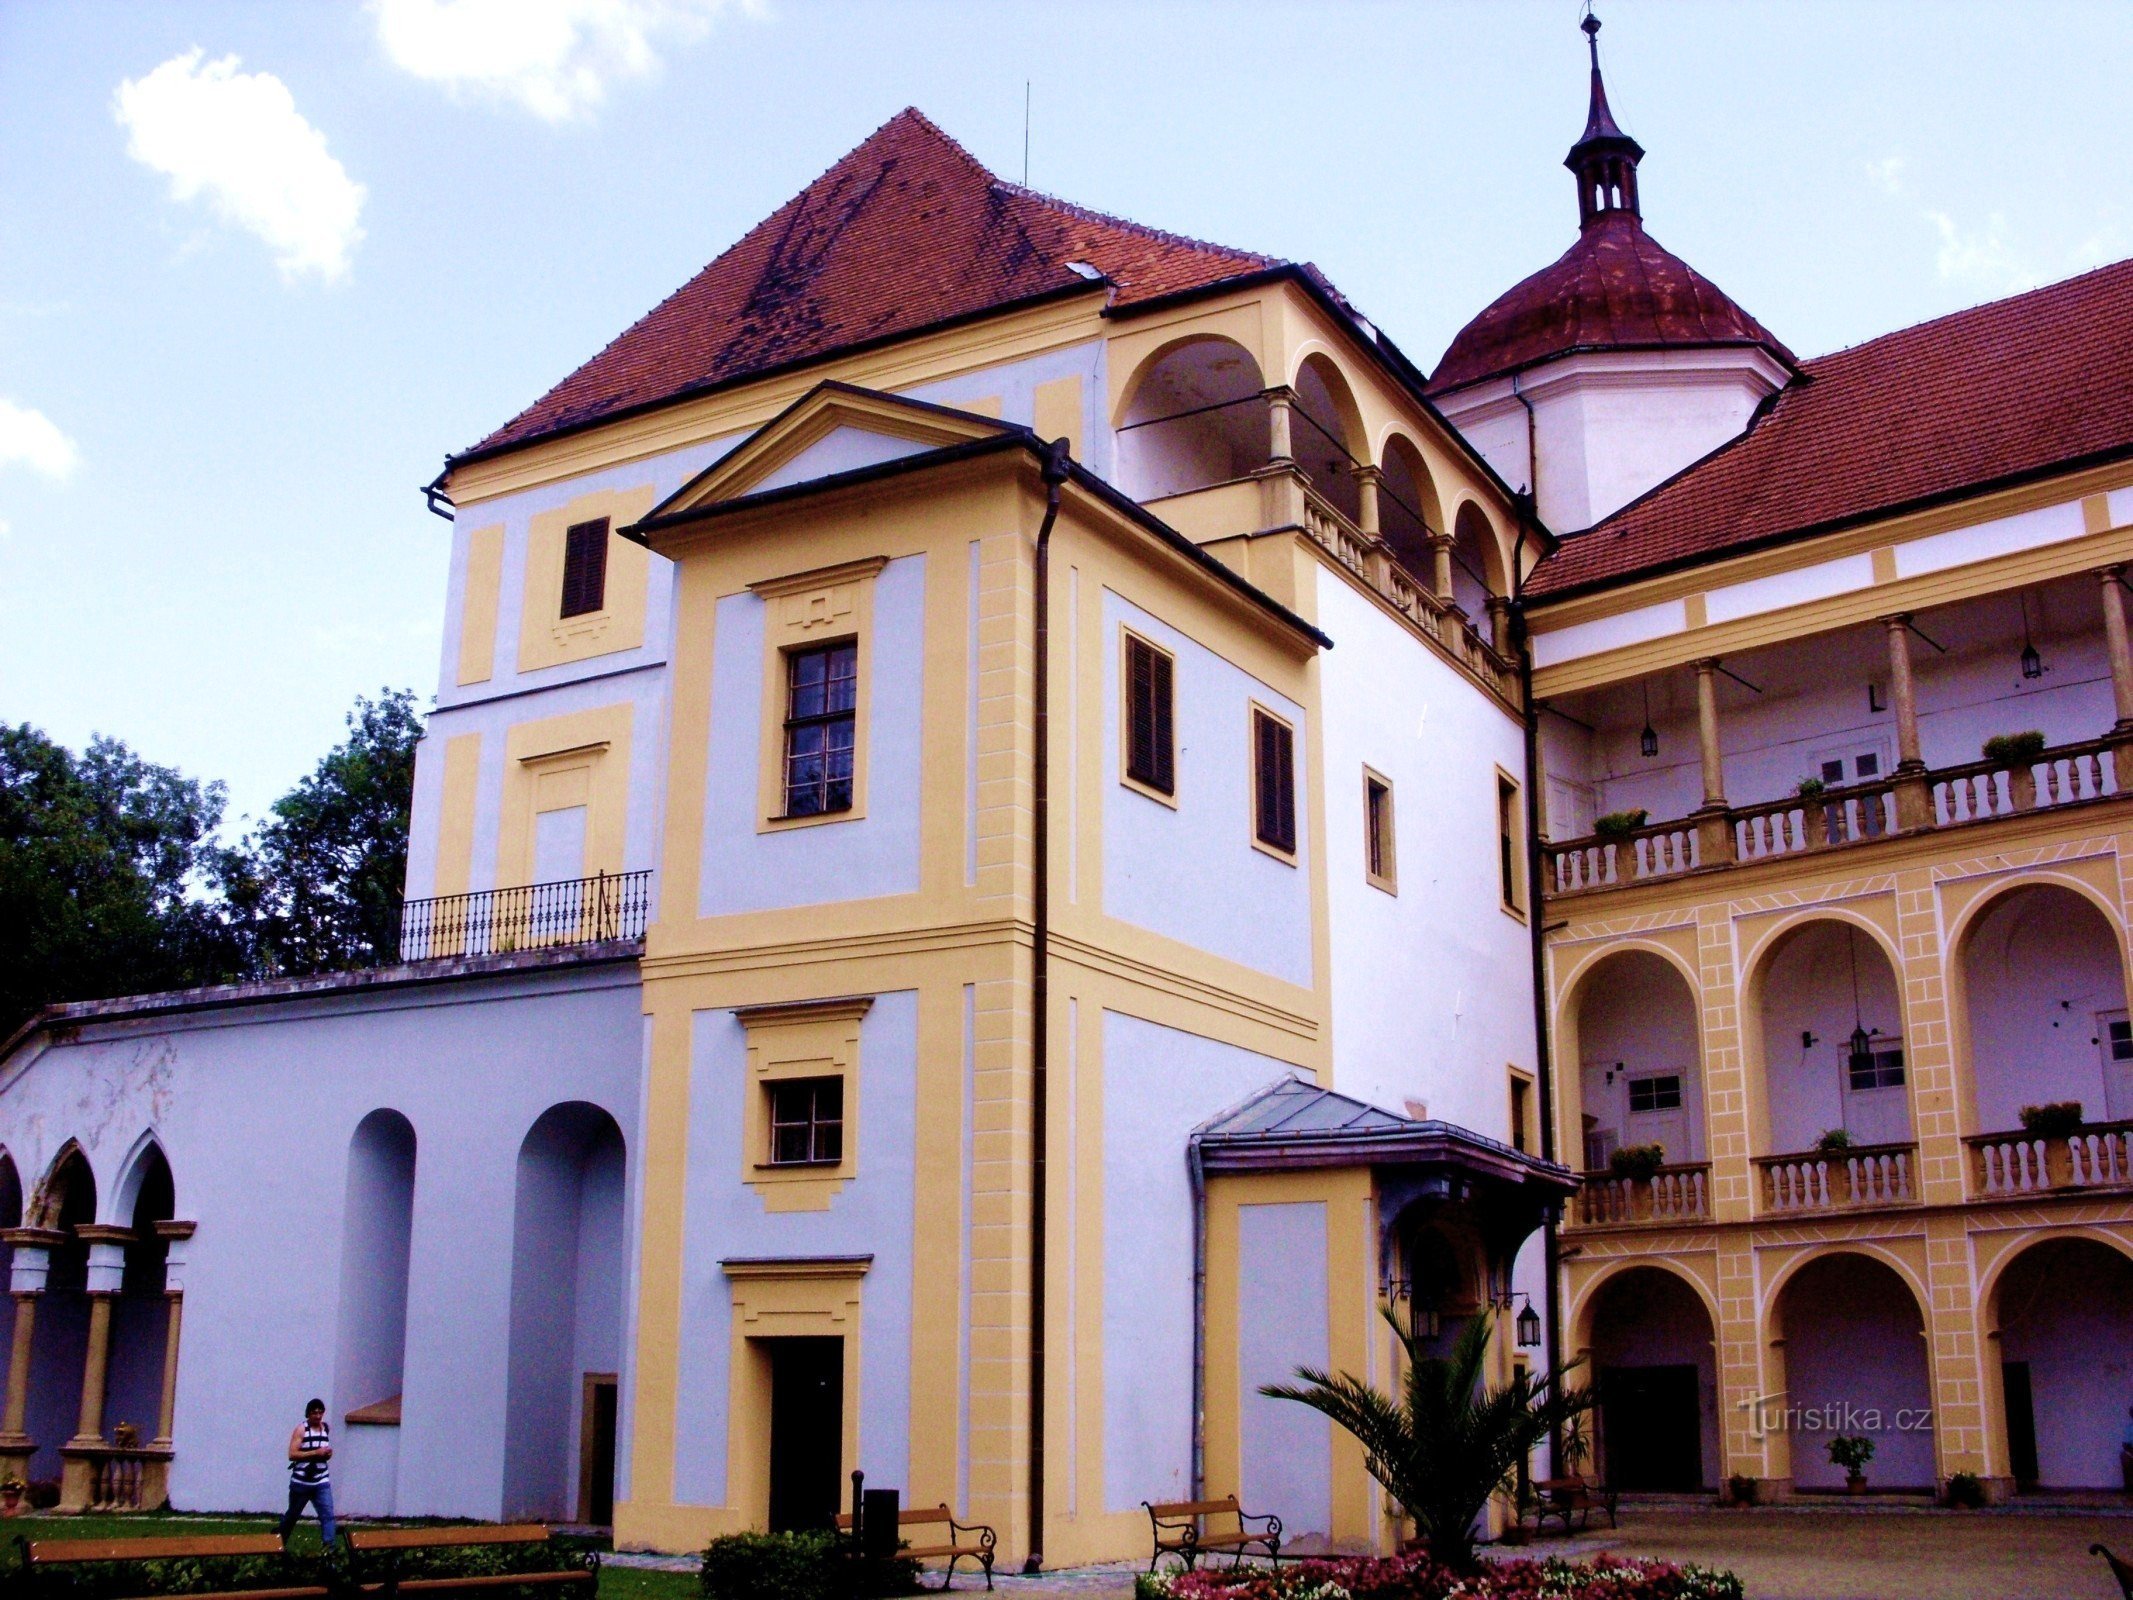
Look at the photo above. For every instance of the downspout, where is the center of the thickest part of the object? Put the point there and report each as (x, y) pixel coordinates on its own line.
(1196, 1168)
(1551, 1243)
(433, 496)
(1533, 469)
(1056, 459)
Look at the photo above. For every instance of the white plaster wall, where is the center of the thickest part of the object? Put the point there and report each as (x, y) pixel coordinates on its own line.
(1014, 384)
(1282, 1307)
(1159, 1084)
(872, 1215)
(1807, 987)
(2066, 1308)
(1855, 1347)
(1190, 871)
(853, 859)
(2040, 969)
(1637, 1018)
(255, 1109)
(1432, 989)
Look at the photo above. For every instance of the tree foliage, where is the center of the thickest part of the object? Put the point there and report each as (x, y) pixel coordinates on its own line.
(1449, 1440)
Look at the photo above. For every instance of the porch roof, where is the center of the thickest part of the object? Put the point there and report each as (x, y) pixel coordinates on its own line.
(1294, 1124)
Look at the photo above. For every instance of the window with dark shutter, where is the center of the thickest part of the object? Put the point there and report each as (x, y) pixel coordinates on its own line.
(1379, 861)
(1507, 842)
(1274, 782)
(821, 728)
(584, 567)
(1149, 750)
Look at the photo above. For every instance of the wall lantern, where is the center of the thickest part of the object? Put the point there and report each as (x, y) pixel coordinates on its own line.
(1648, 740)
(1529, 1325)
(1862, 1053)
(2032, 663)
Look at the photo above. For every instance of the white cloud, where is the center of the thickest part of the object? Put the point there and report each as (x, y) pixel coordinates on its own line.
(238, 139)
(554, 58)
(31, 439)
(1981, 257)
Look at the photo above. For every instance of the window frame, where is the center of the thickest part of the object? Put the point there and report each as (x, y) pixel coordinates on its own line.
(1159, 783)
(1523, 1099)
(1381, 852)
(1657, 1106)
(1511, 845)
(1261, 721)
(599, 545)
(817, 1125)
(789, 660)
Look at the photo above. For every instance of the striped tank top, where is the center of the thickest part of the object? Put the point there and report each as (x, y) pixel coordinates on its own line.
(317, 1436)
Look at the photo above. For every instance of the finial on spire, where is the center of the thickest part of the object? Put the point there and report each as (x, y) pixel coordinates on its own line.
(1604, 158)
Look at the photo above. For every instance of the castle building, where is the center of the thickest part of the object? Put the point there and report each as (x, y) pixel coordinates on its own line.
(1024, 820)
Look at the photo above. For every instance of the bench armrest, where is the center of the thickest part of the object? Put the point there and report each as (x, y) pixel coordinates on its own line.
(1271, 1523)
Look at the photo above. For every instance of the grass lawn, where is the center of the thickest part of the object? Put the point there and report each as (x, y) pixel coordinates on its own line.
(616, 1583)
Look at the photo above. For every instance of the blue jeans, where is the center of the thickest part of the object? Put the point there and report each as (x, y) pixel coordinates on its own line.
(317, 1494)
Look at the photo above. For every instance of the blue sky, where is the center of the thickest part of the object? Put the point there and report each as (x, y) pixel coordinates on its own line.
(246, 307)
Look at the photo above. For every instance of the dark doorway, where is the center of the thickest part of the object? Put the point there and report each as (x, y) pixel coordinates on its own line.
(806, 1431)
(596, 1451)
(2021, 1423)
(1651, 1422)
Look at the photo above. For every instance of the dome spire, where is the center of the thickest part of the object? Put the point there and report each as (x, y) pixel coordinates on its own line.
(1605, 158)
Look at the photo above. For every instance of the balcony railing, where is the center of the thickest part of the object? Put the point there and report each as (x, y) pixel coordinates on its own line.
(1951, 797)
(2097, 1157)
(534, 916)
(1863, 1177)
(1676, 1193)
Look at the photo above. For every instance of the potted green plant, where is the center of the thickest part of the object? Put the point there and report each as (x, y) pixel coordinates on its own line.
(1620, 824)
(1852, 1451)
(1640, 1162)
(1740, 1490)
(1833, 1141)
(12, 1490)
(2011, 749)
(1811, 789)
(1966, 1491)
(2057, 1119)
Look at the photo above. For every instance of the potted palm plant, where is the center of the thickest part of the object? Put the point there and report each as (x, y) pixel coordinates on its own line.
(1852, 1451)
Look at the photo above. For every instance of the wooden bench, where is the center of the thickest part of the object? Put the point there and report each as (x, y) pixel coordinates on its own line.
(1567, 1498)
(49, 1553)
(392, 1543)
(1179, 1531)
(954, 1548)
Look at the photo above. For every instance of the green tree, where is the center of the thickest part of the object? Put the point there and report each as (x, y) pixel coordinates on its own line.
(1450, 1440)
(319, 882)
(106, 867)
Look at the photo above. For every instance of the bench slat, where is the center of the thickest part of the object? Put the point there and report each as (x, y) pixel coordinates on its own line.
(910, 1514)
(48, 1552)
(498, 1580)
(1193, 1508)
(418, 1538)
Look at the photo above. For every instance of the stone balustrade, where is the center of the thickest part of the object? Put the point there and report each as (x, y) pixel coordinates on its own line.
(1676, 1193)
(2099, 1156)
(1861, 1177)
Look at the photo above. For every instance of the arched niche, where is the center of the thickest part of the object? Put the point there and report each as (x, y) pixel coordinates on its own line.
(1407, 508)
(2044, 1008)
(1441, 1272)
(1854, 1343)
(1654, 1364)
(1325, 433)
(1195, 415)
(140, 1318)
(377, 1240)
(567, 1290)
(1819, 982)
(2064, 1310)
(64, 1200)
(1640, 1060)
(1477, 562)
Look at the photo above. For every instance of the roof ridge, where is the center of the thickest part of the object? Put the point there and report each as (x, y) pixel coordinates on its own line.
(1091, 214)
(2057, 284)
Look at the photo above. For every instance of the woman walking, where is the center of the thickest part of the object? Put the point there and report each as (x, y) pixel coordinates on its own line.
(310, 1480)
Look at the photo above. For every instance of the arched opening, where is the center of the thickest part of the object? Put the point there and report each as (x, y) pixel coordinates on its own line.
(64, 1202)
(377, 1235)
(140, 1317)
(1441, 1273)
(1325, 434)
(1655, 1366)
(566, 1317)
(2064, 1308)
(1197, 416)
(1408, 509)
(1855, 1365)
(10, 1217)
(2044, 993)
(1640, 1060)
(1477, 564)
(1832, 1039)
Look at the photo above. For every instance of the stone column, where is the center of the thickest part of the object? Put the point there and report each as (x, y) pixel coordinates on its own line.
(1278, 402)
(1914, 807)
(1500, 624)
(1370, 525)
(2110, 581)
(1440, 552)
(1714, 828)
(155, 1474)
(107, 1272)
(32, 1263)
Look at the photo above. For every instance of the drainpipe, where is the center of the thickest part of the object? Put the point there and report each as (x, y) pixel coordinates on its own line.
(1533, 470)
(1055, 475)
(1196, 1167)
(1551, 1243)
(433, 496)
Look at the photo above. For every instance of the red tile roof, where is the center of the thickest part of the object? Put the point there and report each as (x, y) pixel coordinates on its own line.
(905, 232)
(1617, 288)
(2023, 386)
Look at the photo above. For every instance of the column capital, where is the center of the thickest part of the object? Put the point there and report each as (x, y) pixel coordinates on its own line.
(33, 1238)
(1896, 621)
(2111, 572)
(175, 1230)
(1280, 392)
(1364, 472)
(103, 1233)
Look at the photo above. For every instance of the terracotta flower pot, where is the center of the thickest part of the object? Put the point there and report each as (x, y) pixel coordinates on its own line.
(10, 1502)
(1855, 1483)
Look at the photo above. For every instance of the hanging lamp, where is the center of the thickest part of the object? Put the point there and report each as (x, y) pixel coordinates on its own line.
(2032, 663)
(1648, 740)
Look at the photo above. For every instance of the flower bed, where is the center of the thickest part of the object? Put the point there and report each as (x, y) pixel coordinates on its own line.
(1415, 1577)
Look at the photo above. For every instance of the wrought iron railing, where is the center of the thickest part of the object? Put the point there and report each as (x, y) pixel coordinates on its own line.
(533, 916)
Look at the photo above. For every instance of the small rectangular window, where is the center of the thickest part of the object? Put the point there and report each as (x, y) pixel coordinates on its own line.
(1879, 1068)
(1273, 782)
(1658, 1093)
(584, 567)
(2117, 1038)
(1150, 749)
(1507, 836)
(1521, 1112)
(1379, 863)
(821, 725)
(806, 1122)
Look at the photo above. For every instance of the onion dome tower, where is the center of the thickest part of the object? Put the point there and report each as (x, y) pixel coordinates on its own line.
(1614, 367)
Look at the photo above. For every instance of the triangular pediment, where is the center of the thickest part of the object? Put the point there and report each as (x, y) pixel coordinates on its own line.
(833, 429)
